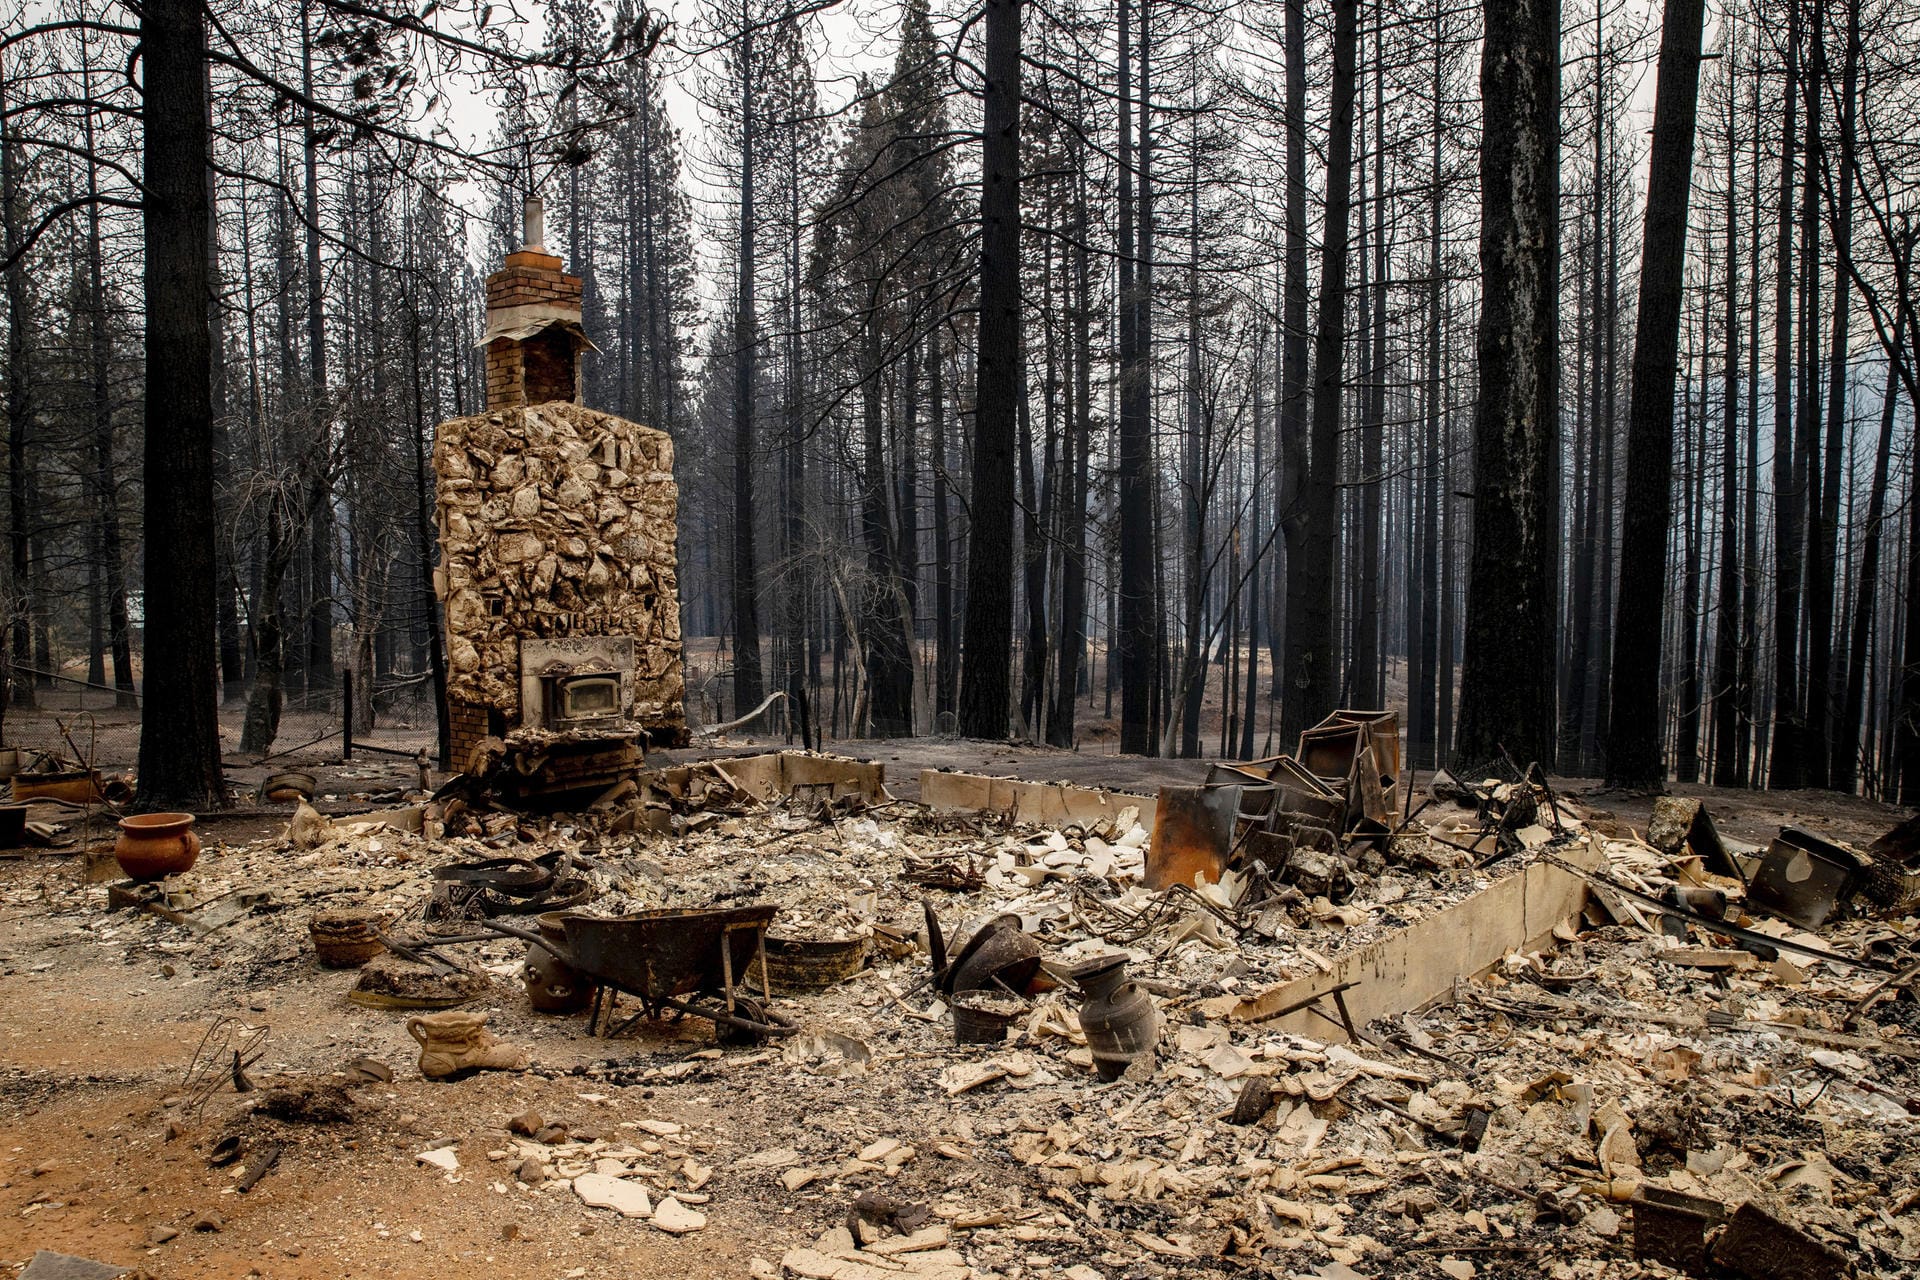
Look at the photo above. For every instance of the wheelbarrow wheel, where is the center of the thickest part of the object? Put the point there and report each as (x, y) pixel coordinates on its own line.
(752, 1011)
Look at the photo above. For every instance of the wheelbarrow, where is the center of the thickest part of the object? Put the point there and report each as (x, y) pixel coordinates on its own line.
(667, 958)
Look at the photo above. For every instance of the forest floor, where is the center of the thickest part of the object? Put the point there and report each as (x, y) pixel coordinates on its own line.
(100, 1155)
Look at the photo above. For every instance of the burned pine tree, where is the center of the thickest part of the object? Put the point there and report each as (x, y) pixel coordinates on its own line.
(1634, 741)
(1507, 685)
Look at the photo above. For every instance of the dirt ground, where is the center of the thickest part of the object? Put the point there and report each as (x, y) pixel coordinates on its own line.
(98, 1024)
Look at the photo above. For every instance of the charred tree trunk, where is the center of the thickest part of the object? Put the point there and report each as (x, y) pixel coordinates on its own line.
(1507, 693)
(1196, 454)
(20, 408)
(318, 663)
(1256, 570)
(425, 542)
(226, 607)
(1073, 563)
(1365, 664)
(1423, 621)
(180, 731)
(1748, 691)
(1293, 358)
(1633, 739)
(1686, 762)
(985, 674)
(1033, 553)
(1841, 768)
(1849, 749)
(1817, 599)
(1135, 640)
(1726, 640)
(1311, 677)
(747, 682)
(885, 652)
(266, 696)
(1784, 752)
(946, 667)
(1907, 726)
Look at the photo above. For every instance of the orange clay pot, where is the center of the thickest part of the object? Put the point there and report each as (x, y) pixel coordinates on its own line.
(153, 845)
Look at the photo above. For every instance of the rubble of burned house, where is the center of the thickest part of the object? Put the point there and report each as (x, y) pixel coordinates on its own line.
(1294, 1019)
(1018, 1028)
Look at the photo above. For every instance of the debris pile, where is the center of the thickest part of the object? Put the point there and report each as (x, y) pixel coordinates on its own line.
(1502, 1035)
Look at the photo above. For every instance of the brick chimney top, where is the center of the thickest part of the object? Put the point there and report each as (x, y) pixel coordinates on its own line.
(534, 333)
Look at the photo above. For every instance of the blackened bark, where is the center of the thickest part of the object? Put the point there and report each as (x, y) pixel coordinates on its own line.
(425, 544)
(1847, 738)
(1906, 749)
(747, 683)
(1633, 739)
(1073, 561)
(1311, 680)
(887, 655)
(1293, 349)
(180, 731)
(1256, 570)
(1423, 622)
(1366, 680)
(1686, 762)
(1815, 695)
(112, 597)
(266, 696)
(946, 667)
(1143, 388)
(906, 543)
(1726, 640)
(1748, 691)
(20, 409)
(1784, 752)
(1840, 767)
(1196, 448)
(1134, 641)
(318, 663)
(226, 606)
(1034, 506)
(1580, 449)
(985, 673)
(1607, 426)
(1507, 693)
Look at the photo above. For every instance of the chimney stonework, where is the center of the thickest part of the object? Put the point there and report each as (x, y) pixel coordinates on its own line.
(558, 523)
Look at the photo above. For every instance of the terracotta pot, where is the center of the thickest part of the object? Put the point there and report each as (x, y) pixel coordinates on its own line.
(153, 845)
(1119, 1018)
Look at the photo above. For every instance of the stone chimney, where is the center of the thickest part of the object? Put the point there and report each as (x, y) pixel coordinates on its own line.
(534, 334)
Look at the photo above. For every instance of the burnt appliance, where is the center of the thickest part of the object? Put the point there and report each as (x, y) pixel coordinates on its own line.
(579, 699)
(577, 684)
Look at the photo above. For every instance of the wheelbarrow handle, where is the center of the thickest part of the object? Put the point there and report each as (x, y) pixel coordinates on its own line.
(528, 935)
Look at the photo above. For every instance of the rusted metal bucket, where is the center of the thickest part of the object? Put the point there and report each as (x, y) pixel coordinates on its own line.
(1804, 879)
(999, 954)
